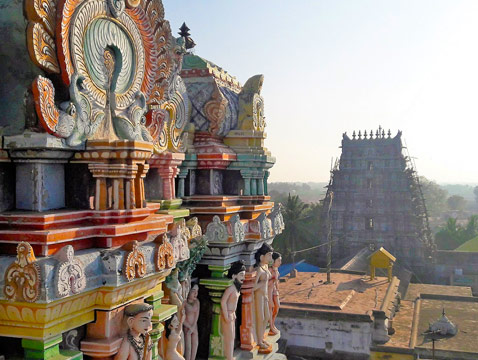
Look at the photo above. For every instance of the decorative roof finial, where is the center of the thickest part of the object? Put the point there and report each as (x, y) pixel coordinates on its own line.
(353, 135)
(377, 134)
(184, 32)
(365, 134)
(389, 133)
(383, 133)
(371, 134)
(359, 135)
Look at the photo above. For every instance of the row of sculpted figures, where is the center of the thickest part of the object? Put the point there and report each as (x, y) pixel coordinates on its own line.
(181, 340)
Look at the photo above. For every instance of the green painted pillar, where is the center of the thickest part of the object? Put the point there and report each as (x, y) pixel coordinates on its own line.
(260, 186)
(48, 349)
(266, 176)
(216, 286)
(253, 186)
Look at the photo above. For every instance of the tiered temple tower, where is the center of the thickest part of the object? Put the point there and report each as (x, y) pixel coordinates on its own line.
(377, 201)
(121, 169)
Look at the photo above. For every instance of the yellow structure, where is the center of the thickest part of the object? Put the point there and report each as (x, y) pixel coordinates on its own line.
(381, 259)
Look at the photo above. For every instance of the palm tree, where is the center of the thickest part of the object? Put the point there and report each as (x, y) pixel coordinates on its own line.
(296, 214)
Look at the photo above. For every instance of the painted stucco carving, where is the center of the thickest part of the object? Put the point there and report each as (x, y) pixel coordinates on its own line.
(69, 276)
(180, 241)
(237, 228)
(251, 105)
(265, 226)
(114, 58)
(277, 219)
(135, 262)
(165, 254)
(198, 247)
(216, 231)
(194, 227)
(22, 277)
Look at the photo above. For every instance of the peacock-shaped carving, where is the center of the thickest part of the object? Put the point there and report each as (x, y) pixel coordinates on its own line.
(120, 65)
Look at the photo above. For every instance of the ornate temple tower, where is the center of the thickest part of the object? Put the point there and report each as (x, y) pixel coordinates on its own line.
(377, 201)
(121, 169)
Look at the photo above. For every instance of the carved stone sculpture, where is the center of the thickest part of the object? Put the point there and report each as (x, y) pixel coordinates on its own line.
(70, 276)
(261, 301)
(22, 278)
(191, 309)
(251, 105)
(273, 291)
(229, 300)
(174, 334)
(136, 344)
(135, 262)
(113, 57)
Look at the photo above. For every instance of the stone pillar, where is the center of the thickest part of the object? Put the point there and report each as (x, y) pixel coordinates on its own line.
(260, 186)
(246, 176)
(48, 349)
(266, 176)
(167, 175)
(39, 160)
(253, 186)
(216, 286)
(247, 326)
(183, 173)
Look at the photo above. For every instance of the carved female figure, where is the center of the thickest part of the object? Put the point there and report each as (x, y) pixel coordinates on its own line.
(261, 301)
(191, 308)
(273, 291)
(174, 334)
(136, 344)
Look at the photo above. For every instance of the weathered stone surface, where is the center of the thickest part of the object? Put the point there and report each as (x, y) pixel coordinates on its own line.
(16, 107)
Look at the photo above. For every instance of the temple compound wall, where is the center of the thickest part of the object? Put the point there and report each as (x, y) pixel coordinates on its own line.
(377, 201)
(135, 221)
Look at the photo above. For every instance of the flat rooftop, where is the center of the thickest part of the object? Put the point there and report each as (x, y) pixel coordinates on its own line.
(423, 304)
(348, 293)
(414, 290)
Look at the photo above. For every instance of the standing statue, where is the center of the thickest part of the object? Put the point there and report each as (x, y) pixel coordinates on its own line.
(191, 309)
(176, 292)
(137, 344)
(229, 300)
(261, 301)
(174, 334)
(273, 291)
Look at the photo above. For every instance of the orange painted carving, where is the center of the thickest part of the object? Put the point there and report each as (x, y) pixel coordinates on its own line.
(42, 48)
(66, 9)
(44, 95)
(150, 47)
(215, 111)
(22, 278)
(165, 256)
(135, 262)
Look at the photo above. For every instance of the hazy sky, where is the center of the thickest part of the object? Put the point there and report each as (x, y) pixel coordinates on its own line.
(335, 66)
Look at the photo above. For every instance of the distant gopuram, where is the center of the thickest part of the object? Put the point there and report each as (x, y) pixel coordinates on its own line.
(377, 201)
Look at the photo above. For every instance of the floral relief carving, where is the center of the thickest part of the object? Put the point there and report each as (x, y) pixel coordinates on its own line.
(135, 262)
(70, 276)
(22, 278)
(165, 254)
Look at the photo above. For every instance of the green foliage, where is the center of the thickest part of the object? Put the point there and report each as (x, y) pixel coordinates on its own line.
(465, 190)
(435, 196)
(452, 235)
(302, 223)
(475, 192)
(456, 202)
(310, 192)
